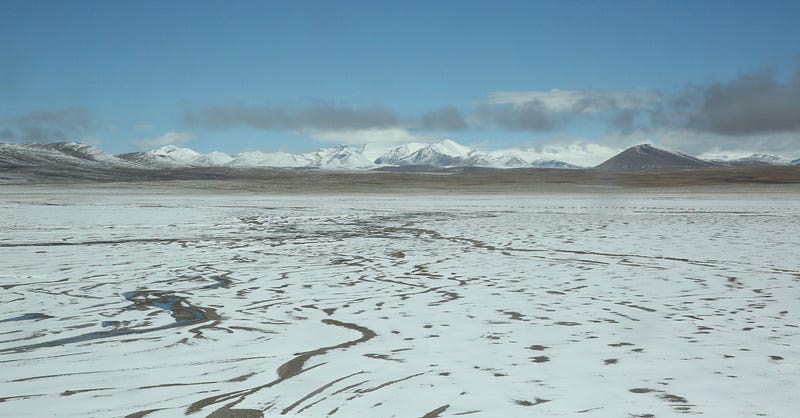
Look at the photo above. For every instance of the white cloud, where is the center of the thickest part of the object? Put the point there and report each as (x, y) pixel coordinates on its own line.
(582, 101)
(169, 138)
(711, 145)
(390, 136)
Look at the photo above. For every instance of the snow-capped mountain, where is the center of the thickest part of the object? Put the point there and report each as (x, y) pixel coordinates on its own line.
(480, 159)
(77, 150)
(339, 157)
(448, 153)
(760, 159)
(55, 154)
(523, 159)
(212, 159)
(441, 154)
(166, 157)
(394, 155)
(169, 156)
(445, 153)
(147, 160)
(268, 159)
(183, 156)
(449, 148)
(796, 162)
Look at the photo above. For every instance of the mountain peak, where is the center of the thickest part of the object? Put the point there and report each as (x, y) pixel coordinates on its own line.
(644, 147)
(451, 148)
(170, 149)
(648, 156)
(180, 155)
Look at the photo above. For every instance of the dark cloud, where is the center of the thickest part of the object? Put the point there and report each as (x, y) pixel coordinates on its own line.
(7, 134)
(596, 101)
(10, 83)
(698, 143)
(532, 116)
(625, 121)
(447, 118)
(320, 116)
(65, 124)
(753, 104)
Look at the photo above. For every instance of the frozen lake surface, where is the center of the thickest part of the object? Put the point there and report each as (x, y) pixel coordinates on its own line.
(162, 303)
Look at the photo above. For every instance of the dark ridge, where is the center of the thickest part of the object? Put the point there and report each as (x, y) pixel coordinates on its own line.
(647, 157)
(72, 149)
(414, 169)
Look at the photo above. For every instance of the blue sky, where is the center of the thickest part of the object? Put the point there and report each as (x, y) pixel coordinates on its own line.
(706, 77)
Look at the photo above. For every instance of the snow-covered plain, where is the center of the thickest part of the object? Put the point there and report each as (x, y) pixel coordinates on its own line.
(161, 303)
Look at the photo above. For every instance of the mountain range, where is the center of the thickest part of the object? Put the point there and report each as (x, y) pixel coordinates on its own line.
(446, 154)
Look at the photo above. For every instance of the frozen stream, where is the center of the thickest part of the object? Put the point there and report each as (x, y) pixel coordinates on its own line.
(161, 304)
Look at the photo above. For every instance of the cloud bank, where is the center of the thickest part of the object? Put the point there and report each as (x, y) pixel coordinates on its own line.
(756, 111)
(317, 116)
(391, 136)
(754, 103)
(67, 124)
(532, 116)
(448, 118)
(574, 101)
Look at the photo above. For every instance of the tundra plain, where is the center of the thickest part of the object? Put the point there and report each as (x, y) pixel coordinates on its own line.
(210, 298)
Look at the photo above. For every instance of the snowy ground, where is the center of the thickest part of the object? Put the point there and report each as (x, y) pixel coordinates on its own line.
(159, 304)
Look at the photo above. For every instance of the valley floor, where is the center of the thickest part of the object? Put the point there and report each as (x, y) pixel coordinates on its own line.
(157, 301)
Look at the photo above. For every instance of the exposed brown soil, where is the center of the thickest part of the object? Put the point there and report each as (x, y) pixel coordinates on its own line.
(457, 180)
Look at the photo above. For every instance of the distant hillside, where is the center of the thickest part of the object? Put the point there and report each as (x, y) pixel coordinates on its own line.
(646, 156)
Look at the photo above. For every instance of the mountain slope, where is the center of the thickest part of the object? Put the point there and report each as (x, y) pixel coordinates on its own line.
(396, 154)
(339, 157)
(479, 159)
(56, 154)
(760, 159)
(268, 159)
(549, 163)
(148, 160)
(181, 156)
(646, 156)
(446, 153)
(212, 159)
(168, 156)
